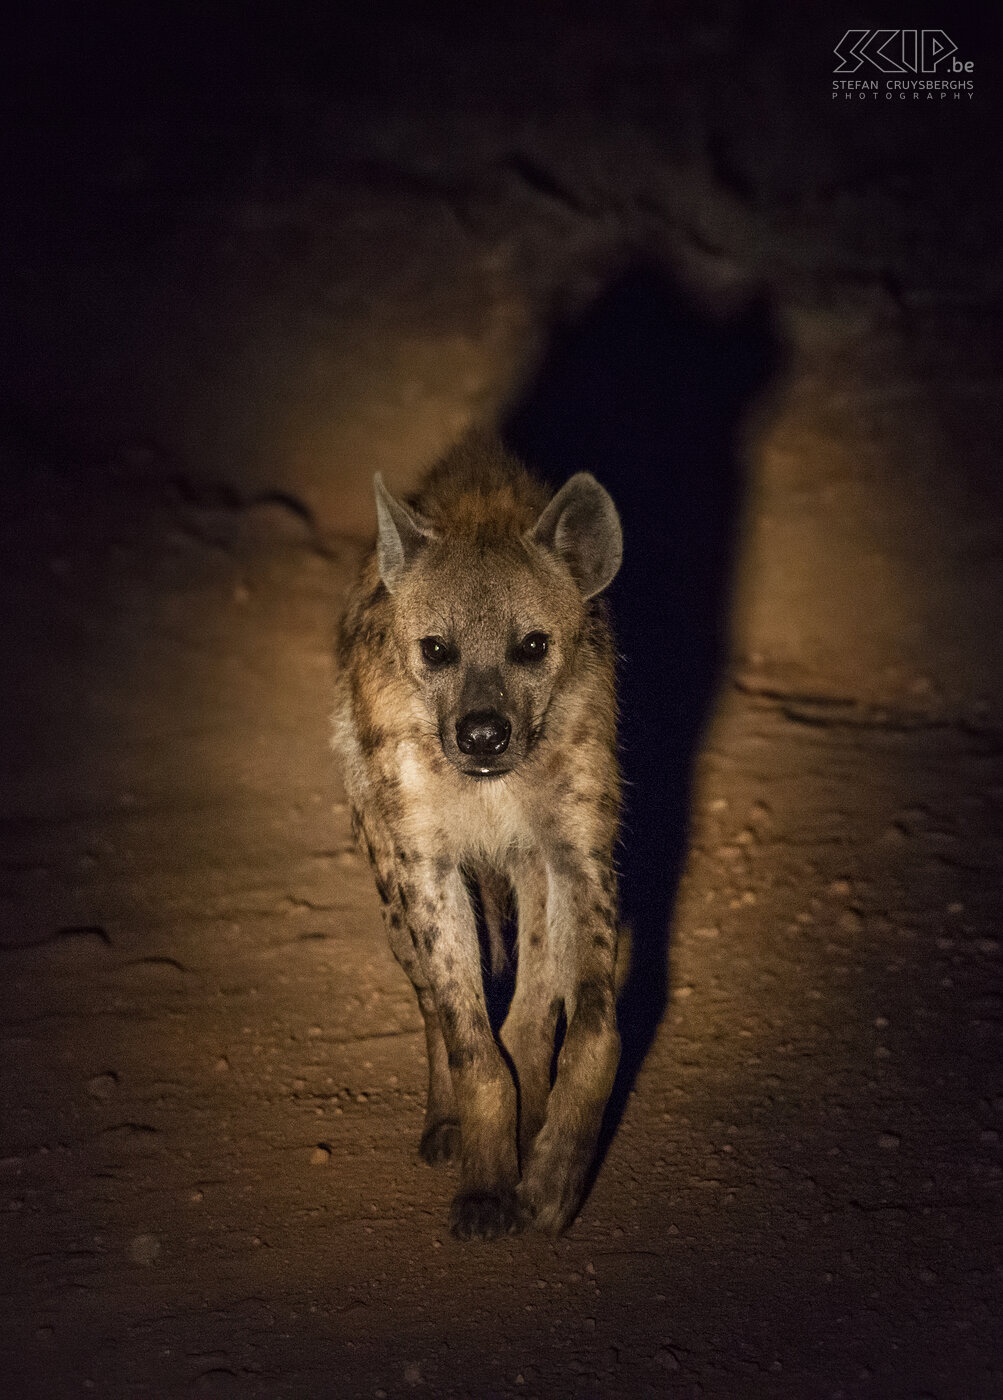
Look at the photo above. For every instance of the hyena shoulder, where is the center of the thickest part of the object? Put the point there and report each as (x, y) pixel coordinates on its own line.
(479, 484)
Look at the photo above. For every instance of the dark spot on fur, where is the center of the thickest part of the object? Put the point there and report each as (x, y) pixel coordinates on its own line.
(461, 1057)
(601, 941)
(371, 737)
(403, 857)
(395, 919)
(402, 896)
(428, 937)
(381, 890)
(449, 1021)
(603, 911)
(535, 939)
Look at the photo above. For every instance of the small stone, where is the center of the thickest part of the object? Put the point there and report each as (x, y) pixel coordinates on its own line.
(889, 1142)
(320, 1156)
(840, 889)
(667, 1359)
(102, 1086)
(144, 1249)
(881, 1022)
(222, 1065)
(412, 1374)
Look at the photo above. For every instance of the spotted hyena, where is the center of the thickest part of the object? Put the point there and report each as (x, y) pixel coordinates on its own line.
(476, 719)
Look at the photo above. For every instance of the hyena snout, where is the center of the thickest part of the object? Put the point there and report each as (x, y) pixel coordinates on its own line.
(483, 734)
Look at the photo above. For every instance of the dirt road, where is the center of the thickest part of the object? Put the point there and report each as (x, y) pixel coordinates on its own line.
(214, 1070)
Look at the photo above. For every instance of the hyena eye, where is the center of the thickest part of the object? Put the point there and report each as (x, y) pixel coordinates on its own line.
(533, 647)
(436, 651)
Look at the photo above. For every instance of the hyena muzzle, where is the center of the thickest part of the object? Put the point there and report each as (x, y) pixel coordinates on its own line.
(476, 719)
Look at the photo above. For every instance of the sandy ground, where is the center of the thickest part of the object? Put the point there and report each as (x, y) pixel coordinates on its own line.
(214, 1069)
(243, 264)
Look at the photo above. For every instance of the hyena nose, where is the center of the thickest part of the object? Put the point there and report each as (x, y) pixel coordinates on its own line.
(483, 733)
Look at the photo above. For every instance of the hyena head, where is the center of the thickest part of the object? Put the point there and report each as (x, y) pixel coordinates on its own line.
(488, 614)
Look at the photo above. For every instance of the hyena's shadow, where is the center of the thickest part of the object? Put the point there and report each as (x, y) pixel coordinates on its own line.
(650, 395)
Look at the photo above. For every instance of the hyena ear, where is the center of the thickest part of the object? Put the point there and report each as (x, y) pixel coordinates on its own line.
(582, 527)
(402, 533)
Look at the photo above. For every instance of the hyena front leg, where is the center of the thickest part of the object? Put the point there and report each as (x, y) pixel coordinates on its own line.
(441, 918)
(528, 1032)
(583, 930)
(440, 1138)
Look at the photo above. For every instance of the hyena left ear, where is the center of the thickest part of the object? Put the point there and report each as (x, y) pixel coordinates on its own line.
(402, 533)
(582, 527)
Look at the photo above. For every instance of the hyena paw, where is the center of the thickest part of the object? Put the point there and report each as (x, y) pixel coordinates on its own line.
(440, 1143)
(484, 1215)
(551, 1200)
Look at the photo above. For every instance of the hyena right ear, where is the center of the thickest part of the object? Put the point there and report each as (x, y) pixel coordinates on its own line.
(402, 533)
(582, 527)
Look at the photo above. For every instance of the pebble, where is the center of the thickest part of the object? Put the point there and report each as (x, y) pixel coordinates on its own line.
(144, 1249)
(320, 1156)
(889, 1142)
(667, 1359)
(103, 1086)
